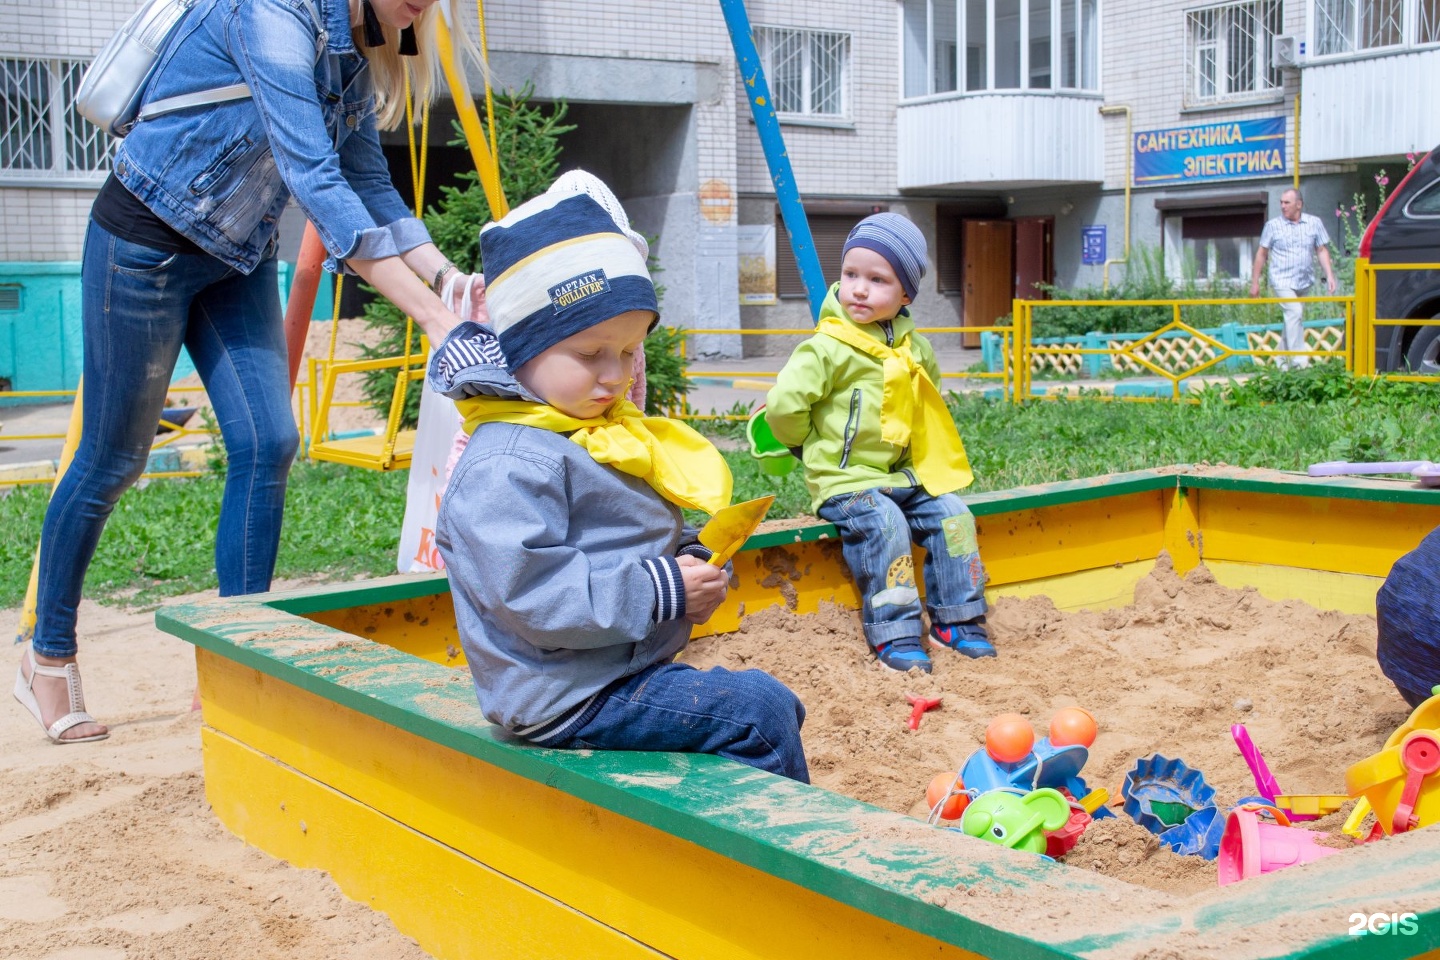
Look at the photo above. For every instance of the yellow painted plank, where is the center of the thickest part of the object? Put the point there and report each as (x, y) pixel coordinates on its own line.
(452, 905)
(1100, 589)
(1322, 589)
(668, 893)
(1344, 536)
(1183, 537)
(421, 626)
(1026, 545)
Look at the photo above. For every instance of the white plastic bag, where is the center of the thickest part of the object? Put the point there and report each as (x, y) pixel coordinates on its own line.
(436, 441)
(434, 438)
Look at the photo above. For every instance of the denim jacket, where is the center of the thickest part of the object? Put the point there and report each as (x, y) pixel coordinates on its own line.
(221, 174)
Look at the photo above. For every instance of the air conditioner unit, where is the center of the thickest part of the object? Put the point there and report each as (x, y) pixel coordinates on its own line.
(1287, 51)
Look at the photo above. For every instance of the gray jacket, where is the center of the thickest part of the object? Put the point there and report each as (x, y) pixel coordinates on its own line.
(562, 569)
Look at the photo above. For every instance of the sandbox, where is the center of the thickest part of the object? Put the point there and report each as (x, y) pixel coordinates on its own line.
(339, 734)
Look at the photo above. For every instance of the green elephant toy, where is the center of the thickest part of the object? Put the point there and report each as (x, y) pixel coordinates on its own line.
(1015, 819)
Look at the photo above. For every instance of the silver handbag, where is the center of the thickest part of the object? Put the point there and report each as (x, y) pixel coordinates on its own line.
(113, 86)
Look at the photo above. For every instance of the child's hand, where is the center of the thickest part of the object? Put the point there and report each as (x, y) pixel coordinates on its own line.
(705, 587)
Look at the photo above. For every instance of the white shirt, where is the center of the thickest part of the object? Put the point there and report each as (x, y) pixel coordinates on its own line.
(1292, 245)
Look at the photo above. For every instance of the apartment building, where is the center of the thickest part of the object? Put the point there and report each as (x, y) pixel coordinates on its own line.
(1032, 140)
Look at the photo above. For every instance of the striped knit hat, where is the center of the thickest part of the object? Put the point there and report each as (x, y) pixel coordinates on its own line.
(896, 239)
(557, 265)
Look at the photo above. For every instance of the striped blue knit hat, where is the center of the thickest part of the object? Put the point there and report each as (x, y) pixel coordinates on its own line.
(557, 265)
(896, 239)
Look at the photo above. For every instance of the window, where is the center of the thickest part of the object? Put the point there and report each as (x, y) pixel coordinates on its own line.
(1000, 45)
(807, 69)
(1212, 246)
(1351, 26)
(41, 135)
(1229, 51)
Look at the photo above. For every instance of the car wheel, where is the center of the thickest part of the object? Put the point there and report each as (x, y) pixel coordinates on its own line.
(1423, 354)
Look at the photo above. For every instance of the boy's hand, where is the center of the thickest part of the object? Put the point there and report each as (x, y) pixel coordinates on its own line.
(705, 587)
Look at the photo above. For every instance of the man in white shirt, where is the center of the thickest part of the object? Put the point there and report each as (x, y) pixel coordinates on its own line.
(1291, 242)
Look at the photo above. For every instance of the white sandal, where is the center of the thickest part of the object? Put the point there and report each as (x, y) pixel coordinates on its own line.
(70, 673)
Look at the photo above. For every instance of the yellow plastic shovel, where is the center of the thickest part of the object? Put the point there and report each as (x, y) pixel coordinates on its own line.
(728, 530)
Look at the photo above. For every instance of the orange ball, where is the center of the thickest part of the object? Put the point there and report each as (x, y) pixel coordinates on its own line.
(1009, 738)
(1072, 725)
(939, 786)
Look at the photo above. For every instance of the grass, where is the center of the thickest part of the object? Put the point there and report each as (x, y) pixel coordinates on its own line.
(343, 523)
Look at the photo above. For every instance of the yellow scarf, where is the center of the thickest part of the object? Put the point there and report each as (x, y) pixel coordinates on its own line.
(912, 412)
(679, 463)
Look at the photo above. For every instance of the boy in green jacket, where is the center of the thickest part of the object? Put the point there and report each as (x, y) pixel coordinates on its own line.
(882, 456)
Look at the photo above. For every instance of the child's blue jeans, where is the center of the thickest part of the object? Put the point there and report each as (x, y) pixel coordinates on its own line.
(876, 528)
(745, 715)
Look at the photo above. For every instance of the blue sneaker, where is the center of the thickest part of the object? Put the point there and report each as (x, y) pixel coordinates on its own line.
(903, 655)
(971, 638)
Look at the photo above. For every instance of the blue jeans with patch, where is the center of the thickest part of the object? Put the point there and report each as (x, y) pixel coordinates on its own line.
(139, 305)
(746, 715)
(876, 529)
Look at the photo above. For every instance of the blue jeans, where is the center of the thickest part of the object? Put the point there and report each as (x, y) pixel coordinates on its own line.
(745, 715)
(876, 527)
(139, 306)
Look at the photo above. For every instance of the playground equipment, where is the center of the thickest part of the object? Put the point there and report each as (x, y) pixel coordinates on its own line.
(1015, 818)
(727, 531)
(1400, 781)
(1427, 473)
(1295, 806)
(1174, 802)
(775, 458)
(918, 707)
(1250, 847)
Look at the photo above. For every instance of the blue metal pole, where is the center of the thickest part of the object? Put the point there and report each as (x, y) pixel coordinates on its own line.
(763, 110)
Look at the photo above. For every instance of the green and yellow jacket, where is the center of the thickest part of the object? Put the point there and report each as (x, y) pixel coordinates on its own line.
(862, 400)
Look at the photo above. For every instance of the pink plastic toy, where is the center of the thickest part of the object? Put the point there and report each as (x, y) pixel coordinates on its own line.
(1250, 847)
(918, 707)
(1265, 782)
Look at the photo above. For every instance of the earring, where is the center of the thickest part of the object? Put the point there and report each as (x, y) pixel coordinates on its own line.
(408, 46)
(374, 36)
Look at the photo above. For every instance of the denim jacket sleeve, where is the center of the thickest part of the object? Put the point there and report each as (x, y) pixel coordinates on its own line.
(344, 192)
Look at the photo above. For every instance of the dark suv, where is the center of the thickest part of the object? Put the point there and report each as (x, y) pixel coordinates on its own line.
(1407, 230)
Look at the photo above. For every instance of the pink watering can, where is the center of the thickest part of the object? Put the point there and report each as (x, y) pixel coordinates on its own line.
(1250, 847)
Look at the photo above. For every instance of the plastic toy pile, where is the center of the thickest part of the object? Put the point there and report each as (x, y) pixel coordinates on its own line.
(1028, 795)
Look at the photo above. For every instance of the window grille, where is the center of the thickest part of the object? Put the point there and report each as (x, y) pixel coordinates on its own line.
(807, 70)
(1350, 26)
(41, 134)
(1229, 51)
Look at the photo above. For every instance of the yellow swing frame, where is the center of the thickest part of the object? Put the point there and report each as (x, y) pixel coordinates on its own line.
(393, 449)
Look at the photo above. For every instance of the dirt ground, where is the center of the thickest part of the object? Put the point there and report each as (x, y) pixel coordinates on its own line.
(109, 851)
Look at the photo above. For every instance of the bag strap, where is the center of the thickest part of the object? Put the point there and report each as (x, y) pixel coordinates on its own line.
(236, 91)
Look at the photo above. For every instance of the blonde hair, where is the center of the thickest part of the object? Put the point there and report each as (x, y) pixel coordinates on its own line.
(427, 78)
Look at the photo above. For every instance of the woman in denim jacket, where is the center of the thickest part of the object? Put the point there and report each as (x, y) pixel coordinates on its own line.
(180, 250)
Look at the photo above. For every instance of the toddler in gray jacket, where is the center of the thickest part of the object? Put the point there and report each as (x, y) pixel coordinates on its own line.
(574, 580)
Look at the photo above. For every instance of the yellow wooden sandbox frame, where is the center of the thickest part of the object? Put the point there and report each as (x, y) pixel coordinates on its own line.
(339, 735)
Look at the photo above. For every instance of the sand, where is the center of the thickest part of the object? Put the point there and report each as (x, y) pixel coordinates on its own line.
(110, 850)
(1167, 675)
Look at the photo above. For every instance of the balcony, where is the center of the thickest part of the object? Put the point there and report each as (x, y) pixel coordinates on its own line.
(1375, 106)
(1001, 141)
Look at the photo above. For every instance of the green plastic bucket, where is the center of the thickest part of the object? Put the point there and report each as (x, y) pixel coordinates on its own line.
(775, 458)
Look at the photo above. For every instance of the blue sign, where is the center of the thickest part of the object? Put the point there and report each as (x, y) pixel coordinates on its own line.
(1092, 244)
(1210, 151)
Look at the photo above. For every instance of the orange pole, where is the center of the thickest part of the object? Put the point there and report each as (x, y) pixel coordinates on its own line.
(303, 287)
